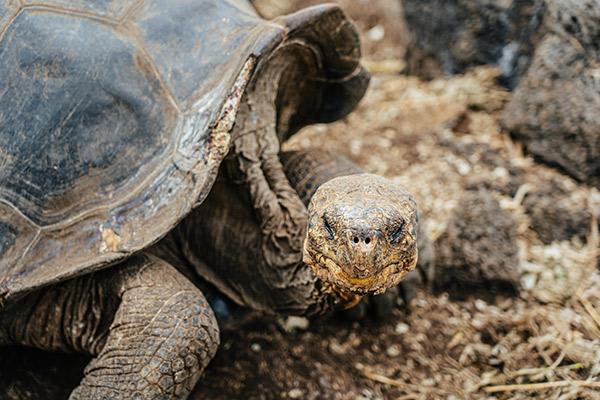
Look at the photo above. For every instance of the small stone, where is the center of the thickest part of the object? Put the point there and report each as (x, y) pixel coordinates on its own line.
(255, 347)
(480, 305)
(528, 281)
(293, 323)
(384, 142)
(337, 348)
(428, 382)
(393, 351)
(356, 146)
(463, 167)
(295, 394)
(401, 328)
(495, 362)
(501, 173)
(553, 252)
(376, 34)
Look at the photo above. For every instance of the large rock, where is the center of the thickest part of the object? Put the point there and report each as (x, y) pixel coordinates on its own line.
(449, 36)
(555, 110)
(556, 212)
(547, 50)
(478, 252)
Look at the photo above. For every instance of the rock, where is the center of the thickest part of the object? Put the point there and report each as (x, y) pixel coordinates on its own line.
(555, 110)
(393, 351)
(478, 249)
(555, 214)
(401, 328)
(449, 36)
(255, 347)
(548, 52)
(293, 323)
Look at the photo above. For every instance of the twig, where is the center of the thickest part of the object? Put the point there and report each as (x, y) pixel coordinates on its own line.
(521, 193)
(534, 371)
(528, 372)
(594, 236)
(410, 396)
(540, 386)
(402, 385)
(590, 310)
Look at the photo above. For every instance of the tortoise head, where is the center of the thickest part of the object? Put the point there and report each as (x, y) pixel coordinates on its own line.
(361, 234)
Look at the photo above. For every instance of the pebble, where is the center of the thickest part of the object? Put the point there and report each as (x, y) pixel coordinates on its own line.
(480, 305)
(463, 167)
(553, 251)
(528, 281)
(295, 394)
(337, 348)
(356, 146)
(255, 347)
(428, 382)
(401, 328)
(376, 33)
(500, 172)
(393, 351)
(293, 323)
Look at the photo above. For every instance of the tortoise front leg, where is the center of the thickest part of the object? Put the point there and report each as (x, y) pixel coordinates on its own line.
(151, 330)
(282, 215)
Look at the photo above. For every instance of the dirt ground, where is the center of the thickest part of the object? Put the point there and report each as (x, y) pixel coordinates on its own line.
(438, 139)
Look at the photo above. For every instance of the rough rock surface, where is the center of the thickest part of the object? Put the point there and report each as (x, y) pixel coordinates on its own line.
(478, 250)
(556, 214)
(548, 51)
(555, 110)
(448, 37)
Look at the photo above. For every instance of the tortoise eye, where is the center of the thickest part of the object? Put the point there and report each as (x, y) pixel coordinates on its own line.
(328, 228)
(397, 233)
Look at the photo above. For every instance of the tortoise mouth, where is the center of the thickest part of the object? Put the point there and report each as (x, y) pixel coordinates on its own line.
(328, 270)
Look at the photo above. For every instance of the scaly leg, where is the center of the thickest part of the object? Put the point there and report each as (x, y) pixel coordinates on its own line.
(151, 330)
(277, 207)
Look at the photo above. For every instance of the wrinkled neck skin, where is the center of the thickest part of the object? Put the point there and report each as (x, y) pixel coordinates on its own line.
(221, 242)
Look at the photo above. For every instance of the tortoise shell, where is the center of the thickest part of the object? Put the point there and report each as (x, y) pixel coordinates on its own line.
(115, 116)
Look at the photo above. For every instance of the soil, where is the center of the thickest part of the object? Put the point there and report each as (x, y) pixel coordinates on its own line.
(439, 139)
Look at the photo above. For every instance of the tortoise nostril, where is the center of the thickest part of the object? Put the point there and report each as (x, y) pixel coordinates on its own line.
(358, 239)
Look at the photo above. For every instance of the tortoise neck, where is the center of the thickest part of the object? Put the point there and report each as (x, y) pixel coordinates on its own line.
(310, 168)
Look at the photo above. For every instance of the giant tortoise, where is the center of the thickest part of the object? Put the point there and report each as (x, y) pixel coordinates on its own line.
(114, 120)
